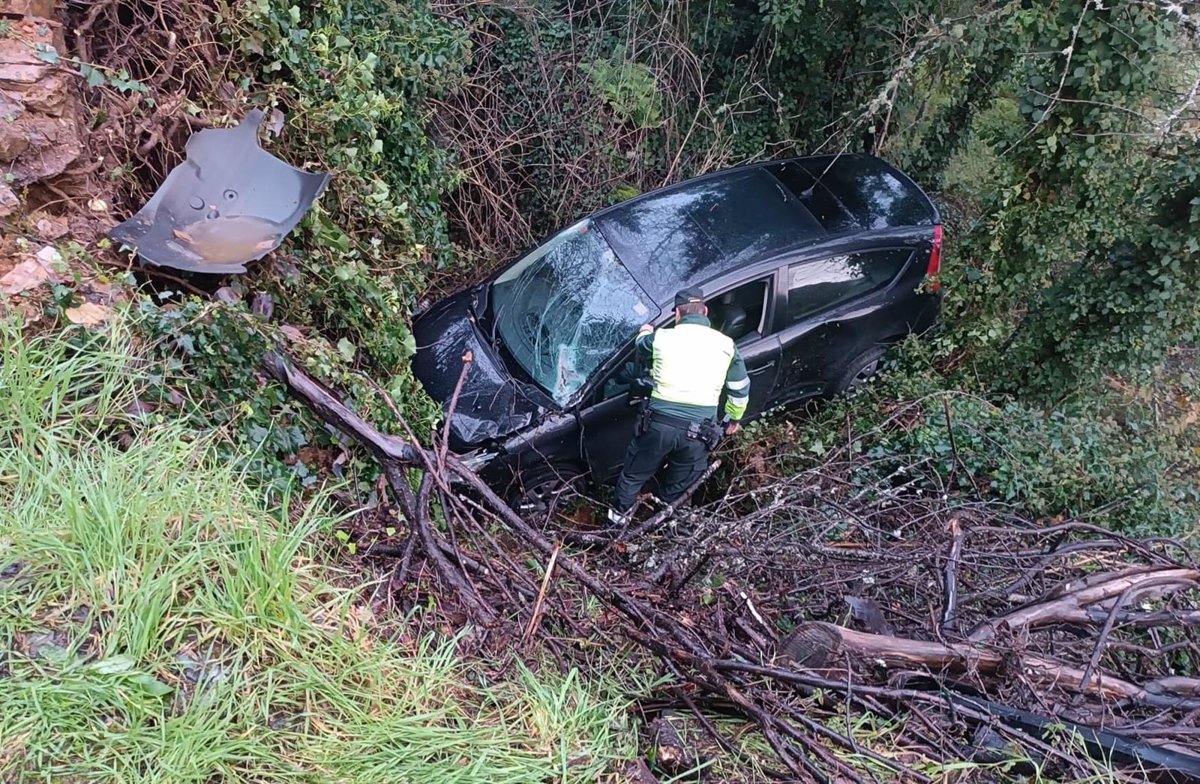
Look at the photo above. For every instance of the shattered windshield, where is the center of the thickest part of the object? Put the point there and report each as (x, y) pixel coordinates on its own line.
(566, 307)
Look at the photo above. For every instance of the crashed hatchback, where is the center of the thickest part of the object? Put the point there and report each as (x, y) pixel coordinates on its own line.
(812, 265)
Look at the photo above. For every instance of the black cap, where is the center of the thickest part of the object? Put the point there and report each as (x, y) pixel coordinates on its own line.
(684, 296)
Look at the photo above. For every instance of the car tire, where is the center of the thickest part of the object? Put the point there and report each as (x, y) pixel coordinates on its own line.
(860, 371)
(538, 493)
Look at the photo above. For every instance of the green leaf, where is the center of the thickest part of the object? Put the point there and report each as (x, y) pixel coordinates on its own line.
(346, 349)
(377, 146)
(93, 75)
(47, 53)
(294, 14)
(113, 665)
(151, 685)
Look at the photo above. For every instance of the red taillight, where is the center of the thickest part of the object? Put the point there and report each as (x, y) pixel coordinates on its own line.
(935, 259)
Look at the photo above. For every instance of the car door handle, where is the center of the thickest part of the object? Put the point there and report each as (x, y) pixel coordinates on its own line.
(758, 370)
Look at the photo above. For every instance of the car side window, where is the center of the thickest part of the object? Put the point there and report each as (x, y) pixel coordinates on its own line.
(814, 286)
(740, 313)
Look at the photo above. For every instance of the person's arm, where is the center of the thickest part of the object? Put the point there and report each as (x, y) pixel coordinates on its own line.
(737, 386)
(645, 341)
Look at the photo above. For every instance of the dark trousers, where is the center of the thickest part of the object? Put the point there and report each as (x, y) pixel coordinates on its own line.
(686, 460)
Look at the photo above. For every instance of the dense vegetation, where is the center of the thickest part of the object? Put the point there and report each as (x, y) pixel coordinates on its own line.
(1059, 137)
(159, 536)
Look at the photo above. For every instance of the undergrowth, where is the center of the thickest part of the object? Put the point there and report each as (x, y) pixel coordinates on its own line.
(160, 622)
(1123, 456)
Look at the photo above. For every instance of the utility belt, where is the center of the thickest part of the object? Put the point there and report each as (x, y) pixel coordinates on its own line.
(707, 431)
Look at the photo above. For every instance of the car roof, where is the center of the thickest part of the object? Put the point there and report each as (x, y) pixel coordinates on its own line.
(701, 228)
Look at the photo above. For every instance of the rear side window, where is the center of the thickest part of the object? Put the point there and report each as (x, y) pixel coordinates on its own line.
(818, 285)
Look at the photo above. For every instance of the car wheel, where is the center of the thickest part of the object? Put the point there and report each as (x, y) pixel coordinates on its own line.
(860, 370)
(540, 493)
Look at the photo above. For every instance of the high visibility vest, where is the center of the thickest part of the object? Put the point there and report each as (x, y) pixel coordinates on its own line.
(690, 364)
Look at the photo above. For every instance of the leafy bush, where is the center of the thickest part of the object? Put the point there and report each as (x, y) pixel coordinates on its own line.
(1125, 457)
(354, 83)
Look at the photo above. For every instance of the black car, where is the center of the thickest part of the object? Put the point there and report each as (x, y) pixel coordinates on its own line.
(813, 265)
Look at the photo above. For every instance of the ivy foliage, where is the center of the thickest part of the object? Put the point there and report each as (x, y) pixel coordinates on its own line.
(347, 89)
(354, 82)
(1087, 258)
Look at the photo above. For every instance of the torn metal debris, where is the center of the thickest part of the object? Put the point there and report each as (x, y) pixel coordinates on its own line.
(230, 202)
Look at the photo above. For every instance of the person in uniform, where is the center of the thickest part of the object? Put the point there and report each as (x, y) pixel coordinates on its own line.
(690, 363)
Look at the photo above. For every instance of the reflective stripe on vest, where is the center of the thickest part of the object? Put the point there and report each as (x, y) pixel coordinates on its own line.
(691, 362)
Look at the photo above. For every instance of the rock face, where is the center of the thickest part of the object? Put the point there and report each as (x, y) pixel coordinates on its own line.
(42, 8)
(39, 115)
(8, 201)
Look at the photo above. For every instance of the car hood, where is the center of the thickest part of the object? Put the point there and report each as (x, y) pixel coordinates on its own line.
(492, 403)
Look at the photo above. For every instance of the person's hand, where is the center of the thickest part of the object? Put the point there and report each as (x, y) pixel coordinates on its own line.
(732, 428)
(646, 328)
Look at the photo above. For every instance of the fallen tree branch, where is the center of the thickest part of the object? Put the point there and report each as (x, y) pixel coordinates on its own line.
(819, 645)
(1073, 597)
(708, 653)
(655, 521)
(950, 580)
(326, 406)
(681, 645)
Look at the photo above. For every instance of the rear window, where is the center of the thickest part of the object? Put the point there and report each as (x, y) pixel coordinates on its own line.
(854, 193)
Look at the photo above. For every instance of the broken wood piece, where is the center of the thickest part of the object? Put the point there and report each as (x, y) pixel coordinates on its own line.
(541, 597)
(950, 579)
(326, 406)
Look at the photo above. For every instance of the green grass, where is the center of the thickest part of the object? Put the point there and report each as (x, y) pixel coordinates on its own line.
(159, 622)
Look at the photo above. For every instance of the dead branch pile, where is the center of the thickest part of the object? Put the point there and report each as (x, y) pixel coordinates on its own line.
(972, 633)
(534, 132)
(175, 50)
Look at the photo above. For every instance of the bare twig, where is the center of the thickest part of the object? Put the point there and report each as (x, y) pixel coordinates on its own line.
(541, 597)
(950, 583)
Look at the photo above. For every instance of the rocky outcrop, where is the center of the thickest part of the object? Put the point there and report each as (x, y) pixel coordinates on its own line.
(39, 114)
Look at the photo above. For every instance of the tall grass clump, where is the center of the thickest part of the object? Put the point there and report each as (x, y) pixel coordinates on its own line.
(161, 622)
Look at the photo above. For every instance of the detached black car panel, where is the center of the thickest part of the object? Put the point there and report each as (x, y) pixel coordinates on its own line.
(813, 265)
